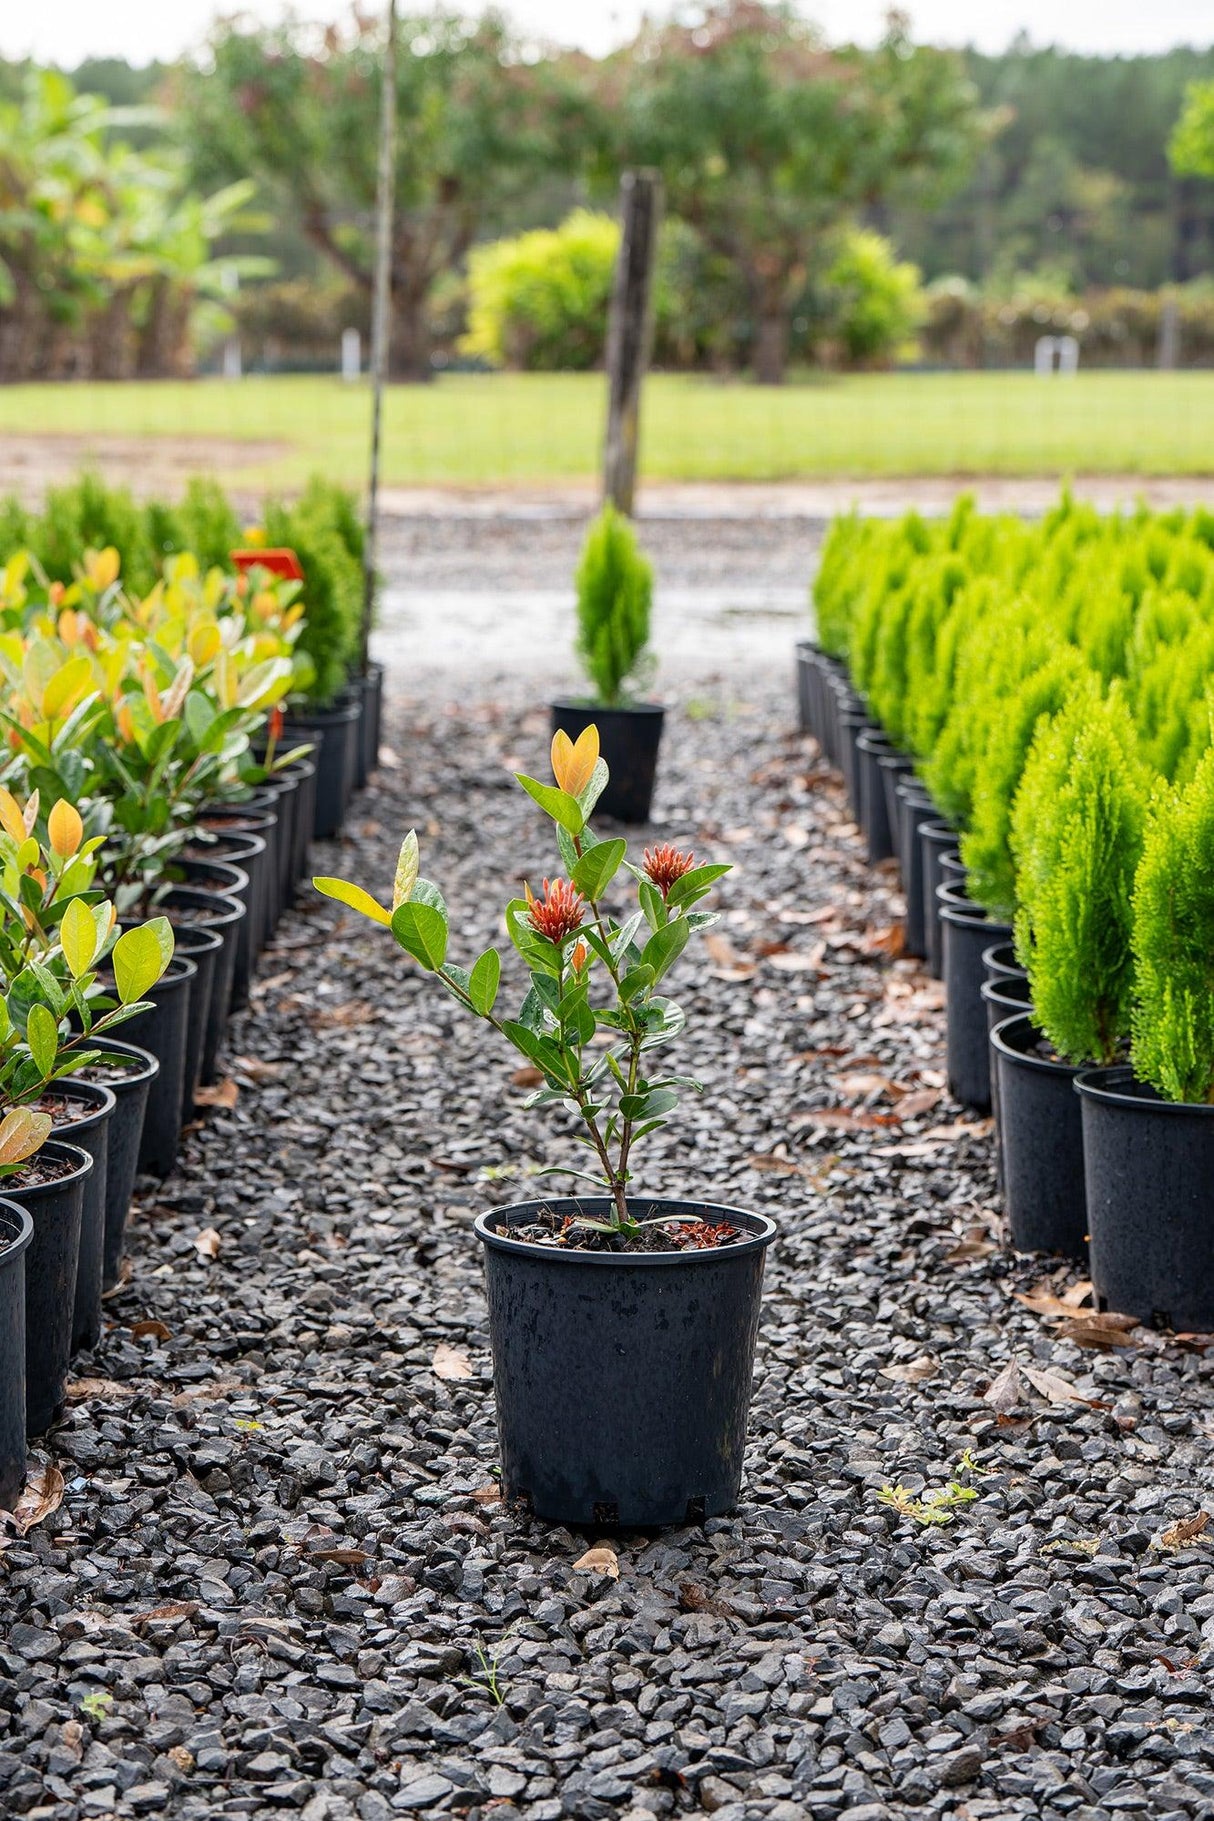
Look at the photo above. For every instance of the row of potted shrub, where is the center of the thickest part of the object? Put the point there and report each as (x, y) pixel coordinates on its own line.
(1022, 716)
(156, 805)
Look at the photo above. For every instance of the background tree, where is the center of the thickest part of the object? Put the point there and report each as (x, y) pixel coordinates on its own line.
(768, 140)
(1191, 148)
(477, 124)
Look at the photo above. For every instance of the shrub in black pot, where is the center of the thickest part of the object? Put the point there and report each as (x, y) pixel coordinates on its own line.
(967, 932)
(81, 1111)
(594, 1301)
(1148, 1127)
(871, 748)
(1077, 833)
(16, 1232)
(614, 596)
(936, 838)
(50, 1187)
(915, 808)
(163, 1028)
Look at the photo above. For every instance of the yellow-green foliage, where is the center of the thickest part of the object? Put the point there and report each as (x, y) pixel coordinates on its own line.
(1076, 834)
(540, 300)
(1173, 935)
(614, 594)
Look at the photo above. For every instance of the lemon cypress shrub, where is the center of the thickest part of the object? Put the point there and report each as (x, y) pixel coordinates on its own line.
(614, 596)
(1077, 832)
(1173, 941)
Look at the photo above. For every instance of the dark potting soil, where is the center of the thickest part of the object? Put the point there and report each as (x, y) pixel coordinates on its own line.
(192, 914)
(39, 1171)
(105, 1073)
(565, 1232)
(65, 1109)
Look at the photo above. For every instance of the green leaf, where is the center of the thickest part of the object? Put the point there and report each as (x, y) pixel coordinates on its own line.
(42, 1035)
(597, 867)
(695, 884)
(140, 957)
(354, 897)
(421, 930)
(664, 945)
(595, 786)
(558, 804)
(426, 892)
(650, 1105)
(78, 937)
(635, 981)
(535, 950)
(484, 980)
(652, 903)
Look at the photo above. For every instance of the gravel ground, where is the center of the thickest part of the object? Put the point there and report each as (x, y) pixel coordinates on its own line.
(281, 1580)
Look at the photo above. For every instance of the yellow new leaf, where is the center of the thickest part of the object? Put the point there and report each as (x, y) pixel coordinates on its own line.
(78, 937)
(65, 829)
(11, 819)
(355, 897)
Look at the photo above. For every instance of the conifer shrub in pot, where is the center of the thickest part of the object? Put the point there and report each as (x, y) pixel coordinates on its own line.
(597, 1299)
(16, 1232)
(614, 598)
(936, 838)
(871, 748)
(967, 931)
(1148, 1126)
(1077, 832)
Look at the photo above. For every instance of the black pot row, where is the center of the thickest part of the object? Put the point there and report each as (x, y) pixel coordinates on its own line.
(1093, 1164)
(62, 1235)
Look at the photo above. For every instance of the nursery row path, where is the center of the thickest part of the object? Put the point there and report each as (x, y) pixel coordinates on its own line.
(281, 1580)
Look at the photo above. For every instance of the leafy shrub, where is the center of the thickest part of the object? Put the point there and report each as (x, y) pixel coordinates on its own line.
(539, 301)
(1077, 829)
(1173, 939)
(614, 595)
(87, 515)
(875, 301)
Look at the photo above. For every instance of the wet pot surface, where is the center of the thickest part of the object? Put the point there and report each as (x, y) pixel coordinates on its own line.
(623, 1381)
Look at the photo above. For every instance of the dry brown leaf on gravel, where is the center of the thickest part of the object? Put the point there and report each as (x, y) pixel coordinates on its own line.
(857, 1087)
(256, 1068)
(917, 1102)
(207, 1243)
(157, 1329)
(41, 1494)
(1005, 1391)
(730, 965)
(224, 1094)
(913, 1371)
(83, 1390)
(527, 1077)
(1186, 1531)
(884, 939)
(1054, 1387)
(450, 1362)
(601, 1561)
(163, 1615)
(344, 1558)
(1100, 1333)
(919, 1147)
(125, 1272)
(841, 1119)
(790, 962)
(490, 1494)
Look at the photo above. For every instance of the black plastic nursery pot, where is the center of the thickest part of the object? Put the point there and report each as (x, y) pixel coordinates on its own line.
(304, 773)
(628, 740)
(84, 1120)
(1005, 997)
(893, 766)
(953, 872)
(224, 917)
(128, 1080)
(16, 1232)
(327, 730)
(260, 827)
(164, 1029)
(623, 1380)
(204, 947)
(853, 722)
(967, 932)
(936, 838)
(373, 714)
(1149, 1175)
(914, 809)
(1041, 1139)
(871, 748)
(1000, 962)
(51, 1190)
(808, 699)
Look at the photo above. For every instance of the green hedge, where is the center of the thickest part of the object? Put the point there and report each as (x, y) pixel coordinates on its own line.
(1055, 685)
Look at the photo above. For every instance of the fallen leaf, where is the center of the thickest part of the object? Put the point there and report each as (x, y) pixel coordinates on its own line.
(207, 1243)
(1186, 1531)
(257, 1068)
(1006, 1390)
(140, 1328)
(600, 1560)
(490, 1494)
(353, 1012)
(81, 1390)
(346, 1558)
(856, 1087)
(125, 1272)
(1054, 1387)
(889, 939)
(1099, 1332)
(41, 1494)
(450, 1362)
(694, 1598)
(919, 1100)
(224, 1094)
(841, 1119)
(161, 1615)
(182, 1757)
(791, 963)
(1079, 1293)
(527, 1077)
(730, 964)
(914, 1371)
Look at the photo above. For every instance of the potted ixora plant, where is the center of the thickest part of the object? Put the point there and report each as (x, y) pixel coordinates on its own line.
(622, 1324)
(614, 597)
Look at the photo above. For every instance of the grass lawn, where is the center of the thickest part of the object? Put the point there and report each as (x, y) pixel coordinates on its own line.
(470, 429)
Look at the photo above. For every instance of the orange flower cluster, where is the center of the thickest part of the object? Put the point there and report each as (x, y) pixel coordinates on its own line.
(558, 913)
(664, 864)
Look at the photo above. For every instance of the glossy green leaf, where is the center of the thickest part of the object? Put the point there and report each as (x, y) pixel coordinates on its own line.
(484, 982)
(558, 804)
(597, 867)
(42, 1035)
(140, 957)
(421, 930)
(78, 937)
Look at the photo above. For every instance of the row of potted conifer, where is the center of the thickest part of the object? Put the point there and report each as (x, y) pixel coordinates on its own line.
(1022, 715)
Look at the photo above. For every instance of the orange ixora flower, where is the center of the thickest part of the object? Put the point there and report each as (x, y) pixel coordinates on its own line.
(573, 763)
(664, 864)
(558, 913)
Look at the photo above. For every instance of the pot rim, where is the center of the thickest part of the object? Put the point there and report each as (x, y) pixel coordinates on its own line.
(989, 958)
(873, 737)
(585, 705)
(323, 717)
(74, 1154)
(211, 931)
(759, 1237)
(100, 1113)
(252, 846)
(235, 908)
(936, 828)
(239, 883)
(1046, 1065)
(25, 1230)
(1096, 1083)
(990, 992)
(150, 1067)
(808, 645)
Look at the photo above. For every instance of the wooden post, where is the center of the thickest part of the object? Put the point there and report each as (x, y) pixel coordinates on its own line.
(381, 305)
(630, 331)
